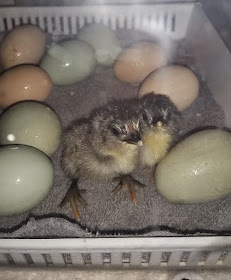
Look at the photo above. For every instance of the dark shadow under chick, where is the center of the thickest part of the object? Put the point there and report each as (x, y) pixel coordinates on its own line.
(159, 124)
(103, 146)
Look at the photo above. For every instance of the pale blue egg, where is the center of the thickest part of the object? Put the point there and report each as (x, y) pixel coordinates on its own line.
(69, 62)
(103, 40)
(26, 177)
(33, 124)
(197, 169)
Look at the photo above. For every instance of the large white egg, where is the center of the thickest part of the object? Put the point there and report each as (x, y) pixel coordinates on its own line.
(197, 169)
(26, 177)
(179, 83)
(69, 62)
(103, 40)
(31, 123)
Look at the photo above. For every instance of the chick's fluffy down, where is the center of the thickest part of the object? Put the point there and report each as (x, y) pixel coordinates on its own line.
(91, 150)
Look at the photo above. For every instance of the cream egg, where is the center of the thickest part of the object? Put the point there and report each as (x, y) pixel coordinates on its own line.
(33, 124)
(25, 44)
(179, 83)
(103, 40)
(26, 177)
(197, 169)
(69, 62)
(137, 61)
(24, 82)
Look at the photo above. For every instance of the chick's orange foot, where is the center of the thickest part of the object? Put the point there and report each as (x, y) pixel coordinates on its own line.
(74, 197)
(127, 181)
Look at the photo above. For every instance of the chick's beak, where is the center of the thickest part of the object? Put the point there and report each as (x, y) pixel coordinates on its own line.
(134, 137)
(134, 141)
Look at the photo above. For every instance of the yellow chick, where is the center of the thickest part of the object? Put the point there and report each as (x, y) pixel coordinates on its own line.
(159, 121)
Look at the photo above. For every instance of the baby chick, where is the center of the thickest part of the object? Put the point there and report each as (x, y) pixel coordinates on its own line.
(159, 120)
(103, 146)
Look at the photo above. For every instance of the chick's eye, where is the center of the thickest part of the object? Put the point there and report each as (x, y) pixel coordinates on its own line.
(115, 131)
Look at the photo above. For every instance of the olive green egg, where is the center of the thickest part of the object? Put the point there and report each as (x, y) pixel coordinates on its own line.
(26, 177)
(69, 62)
(103, 40)
(197, 169)
(31, 123)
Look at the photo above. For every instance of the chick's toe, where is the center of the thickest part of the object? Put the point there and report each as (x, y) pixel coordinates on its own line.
(74, 197)
(127, 181)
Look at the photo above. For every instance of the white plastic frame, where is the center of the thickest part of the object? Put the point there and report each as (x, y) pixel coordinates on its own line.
(181, 252)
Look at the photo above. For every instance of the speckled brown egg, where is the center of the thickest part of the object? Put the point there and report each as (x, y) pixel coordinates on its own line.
(136, 62)
(24, 44)
(179, 83)
(24, 82)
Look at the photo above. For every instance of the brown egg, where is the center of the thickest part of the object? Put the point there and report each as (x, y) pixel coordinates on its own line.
(177, 82)
(137, 61)
(24, 82)
(24, 44)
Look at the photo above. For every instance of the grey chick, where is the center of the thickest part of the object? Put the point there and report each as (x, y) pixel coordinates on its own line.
(159, 125)
(103, 146)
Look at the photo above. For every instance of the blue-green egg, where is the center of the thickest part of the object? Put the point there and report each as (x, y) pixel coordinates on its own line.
(103, 40)
(33, 124)
(197, 169)
(26, 177)
(69, 62)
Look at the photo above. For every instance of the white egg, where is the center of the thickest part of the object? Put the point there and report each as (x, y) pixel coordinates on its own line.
(179, 83)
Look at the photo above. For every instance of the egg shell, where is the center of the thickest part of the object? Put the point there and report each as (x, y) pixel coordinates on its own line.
(69, 62)
(103, 40)
(137, 61)
(197, 169)
(24, 44)
(176, 81)
(33, 124)
(24, 82)
(26, 177)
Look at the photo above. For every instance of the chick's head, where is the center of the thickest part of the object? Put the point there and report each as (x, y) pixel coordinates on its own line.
(118, 124)
(159, 114)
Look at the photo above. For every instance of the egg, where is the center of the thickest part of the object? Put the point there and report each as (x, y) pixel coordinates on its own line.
(69, 62)
(26, 177)
(197, 169)
(103, 40)
(24, 82)
(24, 44)
(179, 83)
(137, 61)
(33, 124)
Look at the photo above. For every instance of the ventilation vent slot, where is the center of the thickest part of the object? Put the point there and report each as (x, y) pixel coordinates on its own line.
(171, 19)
